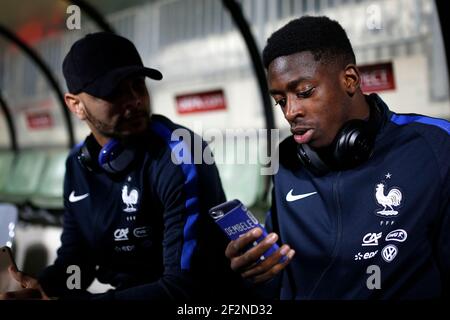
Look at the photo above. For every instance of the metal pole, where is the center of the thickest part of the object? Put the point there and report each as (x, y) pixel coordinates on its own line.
(48, 75)
(9, 122)
(442, 11)
(255, 57)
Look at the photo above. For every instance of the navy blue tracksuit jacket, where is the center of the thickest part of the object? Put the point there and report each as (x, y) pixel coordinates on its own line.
(146, 232)
(391, 213)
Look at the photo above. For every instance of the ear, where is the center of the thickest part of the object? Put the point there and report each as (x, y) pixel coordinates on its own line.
(352, 79)
(75, 105)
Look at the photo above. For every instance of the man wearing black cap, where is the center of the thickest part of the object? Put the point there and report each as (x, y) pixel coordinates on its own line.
(136, 215)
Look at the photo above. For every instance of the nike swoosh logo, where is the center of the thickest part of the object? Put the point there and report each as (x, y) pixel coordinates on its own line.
(290, 197)
(74, 198)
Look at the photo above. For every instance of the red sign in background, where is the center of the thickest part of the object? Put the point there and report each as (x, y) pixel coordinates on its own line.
(377, 77)
(201, 102)
(39, 120)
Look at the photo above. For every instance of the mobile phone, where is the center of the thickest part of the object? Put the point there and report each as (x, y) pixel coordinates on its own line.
(7, 283)
(235, 220)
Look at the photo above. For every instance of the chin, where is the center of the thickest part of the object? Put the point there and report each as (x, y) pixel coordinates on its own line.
(317, 144)
(130, 134)
(135, 128)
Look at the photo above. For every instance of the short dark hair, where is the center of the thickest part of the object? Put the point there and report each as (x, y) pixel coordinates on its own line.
(323, 37)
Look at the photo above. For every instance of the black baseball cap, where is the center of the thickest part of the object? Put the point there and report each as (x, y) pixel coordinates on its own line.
(97, 63)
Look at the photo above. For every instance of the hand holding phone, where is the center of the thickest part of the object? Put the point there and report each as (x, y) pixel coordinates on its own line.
(252, 253)
(17, 285)
(7, 283)
(235, 220)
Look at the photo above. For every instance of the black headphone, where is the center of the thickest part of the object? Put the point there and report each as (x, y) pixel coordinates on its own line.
(352, 146)
(113, 157)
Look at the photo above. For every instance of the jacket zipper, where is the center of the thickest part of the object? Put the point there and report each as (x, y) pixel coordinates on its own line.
(338, 233)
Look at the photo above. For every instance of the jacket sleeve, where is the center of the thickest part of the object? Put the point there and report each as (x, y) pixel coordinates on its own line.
(439, 142)
(179, 197)
(176, 187)
(443, 249)
(73, 251)
(443, 236)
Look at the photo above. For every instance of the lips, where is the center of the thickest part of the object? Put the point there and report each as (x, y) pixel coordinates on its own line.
(133, 122)
(134, 119)
(302, 135)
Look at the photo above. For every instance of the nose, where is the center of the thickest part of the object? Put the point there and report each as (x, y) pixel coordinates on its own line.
(293, 109)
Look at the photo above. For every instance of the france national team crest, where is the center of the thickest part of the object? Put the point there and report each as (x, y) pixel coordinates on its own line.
(389, 199)
(130, 197)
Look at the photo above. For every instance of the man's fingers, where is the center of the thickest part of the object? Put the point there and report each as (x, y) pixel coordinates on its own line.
(249, 258)
(5, 296)
(269, 274)
(21, 294)
(246, 262)
(274, 270)
(269, 263)
(12, 268)
(16, 274)
(24, 280)
(235, 247)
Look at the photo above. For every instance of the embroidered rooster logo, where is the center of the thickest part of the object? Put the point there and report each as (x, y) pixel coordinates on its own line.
(130, 198)
(391, 200)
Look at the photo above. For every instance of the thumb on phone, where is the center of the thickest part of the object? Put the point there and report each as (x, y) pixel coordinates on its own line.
(32, 288)
(25, 280)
